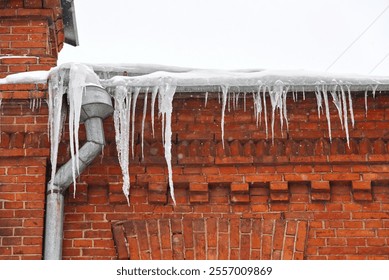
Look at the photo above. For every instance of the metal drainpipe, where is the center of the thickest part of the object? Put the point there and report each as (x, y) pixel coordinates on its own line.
(96, 106)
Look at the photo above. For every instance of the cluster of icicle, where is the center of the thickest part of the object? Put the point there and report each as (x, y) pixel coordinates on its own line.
(124, 119)
(79, 76)
(340, 93)
(162, 87)
(126, 98)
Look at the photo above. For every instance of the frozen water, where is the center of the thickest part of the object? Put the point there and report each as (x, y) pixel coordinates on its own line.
(167, 90)
(224, 100)
(121, 115)
(56, 91)
(273, 86)
(143, 122)
(153, 97)
(134, 100)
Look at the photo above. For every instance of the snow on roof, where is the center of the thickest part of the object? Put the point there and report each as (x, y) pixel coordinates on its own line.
(32, 77)
(242, 78)
(154, 75)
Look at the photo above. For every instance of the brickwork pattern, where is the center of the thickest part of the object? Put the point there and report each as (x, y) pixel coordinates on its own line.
(210, 238)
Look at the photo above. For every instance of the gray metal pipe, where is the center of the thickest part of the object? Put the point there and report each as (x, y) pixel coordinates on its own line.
(96, 105)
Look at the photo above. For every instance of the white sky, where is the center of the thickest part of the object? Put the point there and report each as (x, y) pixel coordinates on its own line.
(234, 34)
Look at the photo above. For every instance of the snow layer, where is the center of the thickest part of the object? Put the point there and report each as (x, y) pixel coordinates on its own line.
(33, 77)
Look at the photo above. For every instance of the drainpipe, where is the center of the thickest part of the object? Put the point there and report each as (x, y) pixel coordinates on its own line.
(96, 106)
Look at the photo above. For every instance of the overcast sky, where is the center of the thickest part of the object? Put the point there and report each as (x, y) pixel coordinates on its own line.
(235, 34)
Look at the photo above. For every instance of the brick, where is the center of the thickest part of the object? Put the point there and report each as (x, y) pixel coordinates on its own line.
(33, 3)
(155, 197)
(279, 196)
(361, 185)
(263, 178)
(239, 187)
(362, 196)
(323, 186)
(199, 197)
(279, 186)
(198, 187)
(355, 233)
(240, 198)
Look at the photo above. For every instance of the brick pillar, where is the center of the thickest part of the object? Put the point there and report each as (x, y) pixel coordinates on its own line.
(31, 35)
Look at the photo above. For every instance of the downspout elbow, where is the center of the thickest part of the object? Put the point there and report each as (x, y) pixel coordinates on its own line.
(96, 106)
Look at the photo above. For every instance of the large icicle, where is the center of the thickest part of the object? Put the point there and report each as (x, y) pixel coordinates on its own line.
(143, 122)
(318, 100)
(56, 117)
(276, 99)
(166, 93)
(265, 111)
(350, 104)
(134, 100)
(121, 116)
(224, 101)
(345, 117)
(153, 97)
(257, 105)
(327, 109)
(337, 100)
(77, 80)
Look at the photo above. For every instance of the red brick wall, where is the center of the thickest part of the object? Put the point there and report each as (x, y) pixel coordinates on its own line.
(31, 35)
(332, 199)
(254, 196)
(302, 197)
(24, 149)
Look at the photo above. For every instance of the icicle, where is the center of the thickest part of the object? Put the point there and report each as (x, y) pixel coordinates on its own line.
(218, 96)
(374, 90)
(336, 99)
(224, 99)
(229, 102)
(163, 129)
(244, 101)
(121, 116)
(303, 93)
(294, 94)
(265, 111)
(167, 91)
(32, 104)
(257, 104)
(366, 102)
(134, 100)
(206, 99)
(77, 80)
(232, 96)
(350, 104)
(327, 109)
(276, 102)
(284, 108)
(237, 100)
(56, 92)
(318, 101)
(143, 122)
(153, 97)
(344, 102)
